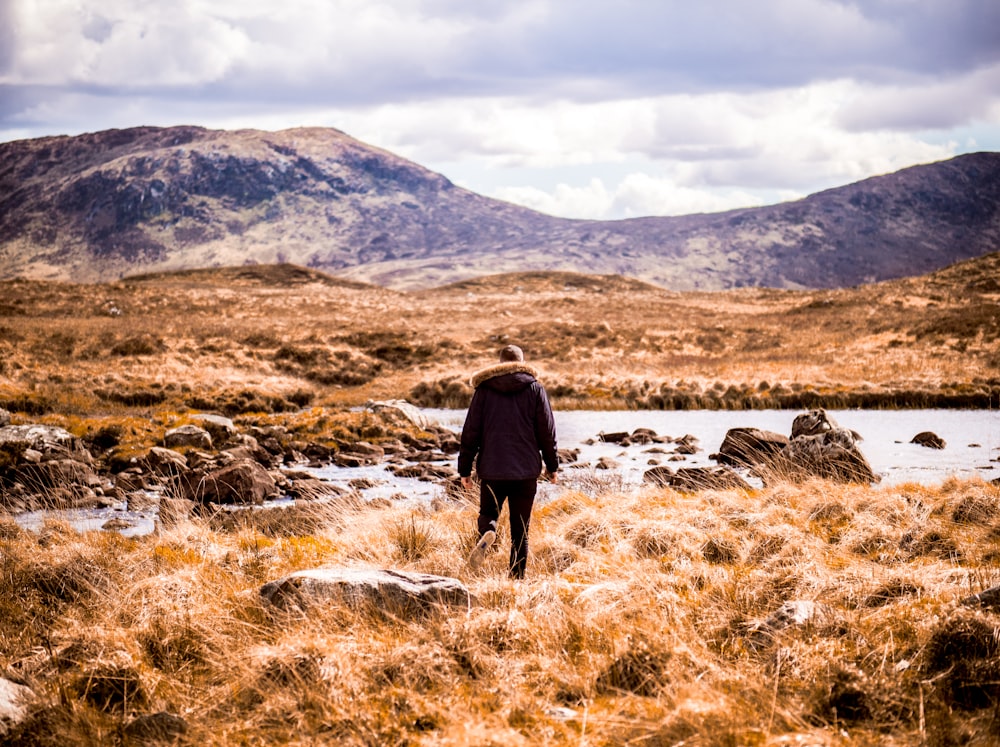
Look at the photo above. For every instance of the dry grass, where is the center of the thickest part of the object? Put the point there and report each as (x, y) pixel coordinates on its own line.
(273, 339)
(640, 623)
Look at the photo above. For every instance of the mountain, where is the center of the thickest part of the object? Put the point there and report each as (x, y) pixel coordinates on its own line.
(104, 205)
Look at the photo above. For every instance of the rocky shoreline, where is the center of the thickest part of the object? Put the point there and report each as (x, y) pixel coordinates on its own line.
(203, 465)
(211, 463)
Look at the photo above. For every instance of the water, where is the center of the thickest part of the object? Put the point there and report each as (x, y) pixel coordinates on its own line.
(972, 438)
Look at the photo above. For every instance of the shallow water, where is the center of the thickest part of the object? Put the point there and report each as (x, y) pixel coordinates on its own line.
(972, 437)
(972, 448)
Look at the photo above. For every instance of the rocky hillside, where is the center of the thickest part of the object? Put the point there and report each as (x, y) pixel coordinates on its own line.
(115, 203)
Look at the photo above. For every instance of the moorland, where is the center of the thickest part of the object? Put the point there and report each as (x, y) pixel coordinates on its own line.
(805, 612)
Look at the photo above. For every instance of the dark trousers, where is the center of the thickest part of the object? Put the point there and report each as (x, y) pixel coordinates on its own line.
(520, 497)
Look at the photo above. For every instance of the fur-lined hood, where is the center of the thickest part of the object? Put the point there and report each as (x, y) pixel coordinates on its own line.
(502, 369)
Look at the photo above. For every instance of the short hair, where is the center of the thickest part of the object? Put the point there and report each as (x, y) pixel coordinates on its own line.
(512, 353)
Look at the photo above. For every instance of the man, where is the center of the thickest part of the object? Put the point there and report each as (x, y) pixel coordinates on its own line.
(510, 428)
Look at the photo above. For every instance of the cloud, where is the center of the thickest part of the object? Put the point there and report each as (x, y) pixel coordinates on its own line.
(590, 109)
(940, 104)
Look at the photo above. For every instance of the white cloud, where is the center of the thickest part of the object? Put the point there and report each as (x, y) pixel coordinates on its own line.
(587, 109)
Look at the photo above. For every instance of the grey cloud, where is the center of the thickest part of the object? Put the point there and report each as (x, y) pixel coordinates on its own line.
(7, 37)
(937, 104)
(576, 50)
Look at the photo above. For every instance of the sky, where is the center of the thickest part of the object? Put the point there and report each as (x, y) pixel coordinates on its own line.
(599, 109)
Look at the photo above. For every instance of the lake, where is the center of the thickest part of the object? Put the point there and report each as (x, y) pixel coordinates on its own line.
(972, 448)
(972, 443)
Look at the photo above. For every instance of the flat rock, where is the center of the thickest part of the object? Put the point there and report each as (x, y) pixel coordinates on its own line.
(393, 591)
(187, 435)
(13, 704)
(46, 439)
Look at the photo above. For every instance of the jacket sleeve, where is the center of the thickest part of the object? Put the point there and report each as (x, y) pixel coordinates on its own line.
(545, 431)
(472, 435)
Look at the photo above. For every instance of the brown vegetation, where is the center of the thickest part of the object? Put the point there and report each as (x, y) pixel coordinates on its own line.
(272, 339)
(799, 614)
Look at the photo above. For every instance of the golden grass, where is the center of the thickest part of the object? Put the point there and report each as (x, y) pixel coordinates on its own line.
(276, 338)
(639, 623)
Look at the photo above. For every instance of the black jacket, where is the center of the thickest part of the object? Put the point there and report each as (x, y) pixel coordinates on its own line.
(509, 426)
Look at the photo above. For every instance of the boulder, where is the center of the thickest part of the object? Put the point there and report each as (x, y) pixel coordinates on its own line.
(693, 479)
(187, 435)
(748, 447)
(832, 455)
(57, 473)
(365, 451)
(812, 423)
(618, 437)
(929, 439)
(243, 482)
(49, 440)
(221, 429)
(392, 591)
(13, 704)
(164, 462)
(401, 409)
(643, 436)
(424, 472)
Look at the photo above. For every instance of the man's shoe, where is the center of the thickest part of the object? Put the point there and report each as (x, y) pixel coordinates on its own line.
(478, 553)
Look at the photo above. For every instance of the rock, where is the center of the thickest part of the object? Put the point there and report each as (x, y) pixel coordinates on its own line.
(692, 479)
(4, 418)
(49, 440)
(247, 447)
(929, 439)
(568, 456)
(793, 613)
(748, 447)
(164, 462)
(614, 438)
(389, 590)
(812, 423)
(607, 463)
(368, 452)
(989, 599)
(13, 704)
(658, 476)
(346, 460)
(830, 454)
(424, 471)
(187, 435)
(130, 481)
(310, 488)
(221, 429)
(643, 436)
(400, 409)
(57, 473)
(243, 482)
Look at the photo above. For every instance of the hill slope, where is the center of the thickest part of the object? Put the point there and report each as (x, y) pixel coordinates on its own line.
(109, 204)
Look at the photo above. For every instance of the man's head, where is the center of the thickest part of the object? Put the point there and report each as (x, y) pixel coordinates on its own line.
(511, 353)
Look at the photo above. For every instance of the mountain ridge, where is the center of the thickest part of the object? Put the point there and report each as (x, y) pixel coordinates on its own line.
(120, 202)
